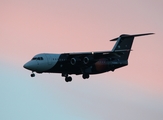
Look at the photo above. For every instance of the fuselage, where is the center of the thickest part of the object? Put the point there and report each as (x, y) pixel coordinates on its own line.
(61, 63)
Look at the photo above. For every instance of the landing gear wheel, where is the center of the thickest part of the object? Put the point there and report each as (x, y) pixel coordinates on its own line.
(85, 76)
(68, 79)
(32, 75)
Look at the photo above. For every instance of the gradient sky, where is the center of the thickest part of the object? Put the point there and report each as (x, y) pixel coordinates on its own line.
(29, 27)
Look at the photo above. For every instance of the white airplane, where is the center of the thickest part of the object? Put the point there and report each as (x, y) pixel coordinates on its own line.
(85, 63)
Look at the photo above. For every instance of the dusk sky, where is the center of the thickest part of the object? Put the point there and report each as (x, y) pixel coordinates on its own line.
(29, 27)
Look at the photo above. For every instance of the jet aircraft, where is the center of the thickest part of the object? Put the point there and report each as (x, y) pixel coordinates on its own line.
(84, 63)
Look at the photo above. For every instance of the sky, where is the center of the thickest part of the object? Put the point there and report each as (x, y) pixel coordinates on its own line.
(29, 27)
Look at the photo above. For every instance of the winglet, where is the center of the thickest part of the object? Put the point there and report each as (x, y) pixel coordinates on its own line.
(136, 35)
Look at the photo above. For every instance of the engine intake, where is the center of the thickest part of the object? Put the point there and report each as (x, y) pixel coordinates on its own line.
(74, 61)
(87, 59)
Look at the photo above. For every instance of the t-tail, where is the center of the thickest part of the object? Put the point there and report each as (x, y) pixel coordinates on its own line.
(124, 43)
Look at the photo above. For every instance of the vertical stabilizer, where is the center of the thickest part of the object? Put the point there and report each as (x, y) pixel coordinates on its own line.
(124, 42)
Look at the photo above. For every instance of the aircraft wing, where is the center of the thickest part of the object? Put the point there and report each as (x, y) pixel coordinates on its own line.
(91, 57)
(99, 54)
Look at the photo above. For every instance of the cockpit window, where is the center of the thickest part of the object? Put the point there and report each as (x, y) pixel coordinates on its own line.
(37, 58)
(34, 58)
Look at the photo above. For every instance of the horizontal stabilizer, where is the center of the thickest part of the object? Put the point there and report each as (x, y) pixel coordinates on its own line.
(125, 35)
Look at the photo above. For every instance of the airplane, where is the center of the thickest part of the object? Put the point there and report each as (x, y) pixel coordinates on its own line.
(84, 63)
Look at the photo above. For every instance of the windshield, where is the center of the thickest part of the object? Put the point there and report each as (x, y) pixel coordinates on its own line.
(37, 58)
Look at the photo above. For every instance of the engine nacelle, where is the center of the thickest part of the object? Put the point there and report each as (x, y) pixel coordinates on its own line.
(87, 59)
(75, 61)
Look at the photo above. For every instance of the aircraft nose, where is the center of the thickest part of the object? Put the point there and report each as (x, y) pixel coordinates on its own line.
(28, 66)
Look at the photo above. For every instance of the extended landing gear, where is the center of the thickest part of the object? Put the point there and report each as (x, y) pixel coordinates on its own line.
(32, 75)
(68, 79)
(85, 76)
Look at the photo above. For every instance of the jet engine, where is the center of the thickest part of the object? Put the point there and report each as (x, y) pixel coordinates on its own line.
(74, 61)
(87, 59)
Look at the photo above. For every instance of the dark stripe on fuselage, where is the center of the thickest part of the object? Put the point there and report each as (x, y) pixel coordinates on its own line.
(64, 65)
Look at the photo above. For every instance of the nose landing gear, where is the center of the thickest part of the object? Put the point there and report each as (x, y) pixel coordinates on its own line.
(32, 75)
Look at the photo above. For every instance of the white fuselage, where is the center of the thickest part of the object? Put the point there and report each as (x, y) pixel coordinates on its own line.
(42, 62)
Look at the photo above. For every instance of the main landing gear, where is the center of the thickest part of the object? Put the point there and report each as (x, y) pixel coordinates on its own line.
(85, 76)
(32, 75)
(67, 78)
